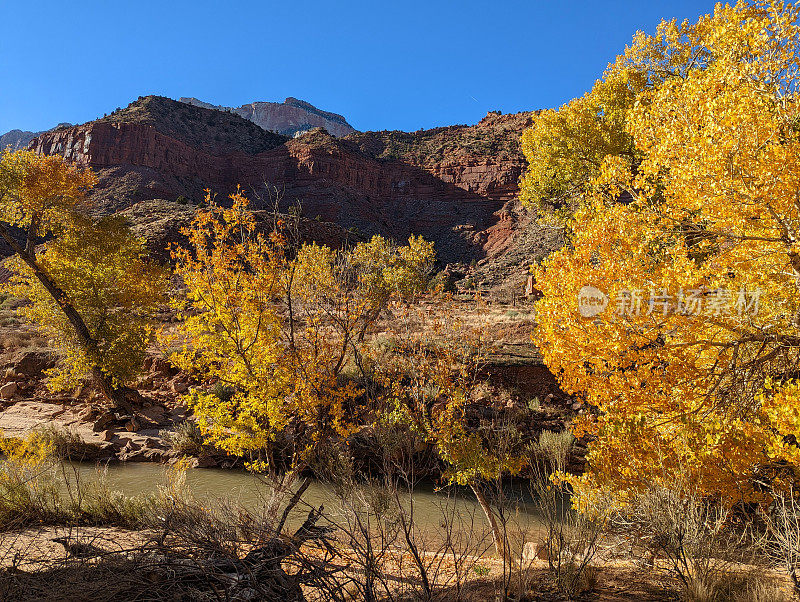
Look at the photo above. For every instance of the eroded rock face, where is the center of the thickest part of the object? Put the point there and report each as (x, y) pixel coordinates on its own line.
(32, 362)
(447, 184)
(291, 117)
(19, 139)
(8, 390)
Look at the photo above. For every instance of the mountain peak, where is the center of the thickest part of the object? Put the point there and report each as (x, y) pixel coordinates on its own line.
(288, 118)
(197, 126)
(18, 139)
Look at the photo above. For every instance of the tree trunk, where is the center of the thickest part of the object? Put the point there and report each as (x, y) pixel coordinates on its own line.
(295, 499)
(497, 533)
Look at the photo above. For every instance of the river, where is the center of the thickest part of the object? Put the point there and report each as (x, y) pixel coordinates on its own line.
(236, 487)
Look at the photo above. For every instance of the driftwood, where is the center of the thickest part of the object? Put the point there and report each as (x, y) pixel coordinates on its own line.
(259, 575)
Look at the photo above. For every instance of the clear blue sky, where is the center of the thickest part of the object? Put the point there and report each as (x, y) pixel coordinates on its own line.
(383, 65)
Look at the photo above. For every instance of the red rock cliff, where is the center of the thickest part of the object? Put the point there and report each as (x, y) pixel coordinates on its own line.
(451, 200)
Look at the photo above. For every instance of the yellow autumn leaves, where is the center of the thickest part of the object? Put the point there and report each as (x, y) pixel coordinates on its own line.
(706, 201)
(94, 268)
(102, 268)
(278, 325)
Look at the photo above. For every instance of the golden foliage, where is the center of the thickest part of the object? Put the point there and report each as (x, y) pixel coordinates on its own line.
(565, 148)
(279, 330)
(102, 270)
(41, 191)
(90, 287)
(700, 380)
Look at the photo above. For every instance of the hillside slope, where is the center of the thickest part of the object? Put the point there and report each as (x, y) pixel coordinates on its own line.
(448, 184)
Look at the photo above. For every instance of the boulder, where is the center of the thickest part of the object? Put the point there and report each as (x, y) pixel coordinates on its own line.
(134, 451)
(90, 413)
(33, 363)
(153, 443)
(8, 390)
(153, 455)
(108, 435)
(205, 462)
(157, 414)
(103, 421)
(163, 366)
(532, 551)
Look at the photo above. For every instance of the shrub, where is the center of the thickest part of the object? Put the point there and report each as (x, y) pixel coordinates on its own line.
(28, 488)
(703, 548)
(571, 537)
(63, 443)
(186, 439)
(783, 535)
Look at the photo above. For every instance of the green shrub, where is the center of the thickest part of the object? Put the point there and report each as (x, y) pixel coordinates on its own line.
(185, 439)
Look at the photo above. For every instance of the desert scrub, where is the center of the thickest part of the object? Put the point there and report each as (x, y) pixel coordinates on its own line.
(37, 487)
(187, 439)
(99, 505)
(61, 442)
(28, 487)
(571, 538)
(697, 543)
(782, 543)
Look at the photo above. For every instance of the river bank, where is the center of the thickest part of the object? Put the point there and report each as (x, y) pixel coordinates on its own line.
(48, 571)
(142, 531)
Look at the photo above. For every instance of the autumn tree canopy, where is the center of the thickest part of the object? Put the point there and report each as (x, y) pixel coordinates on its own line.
(277, 325)
(89, 287)
(687, 219)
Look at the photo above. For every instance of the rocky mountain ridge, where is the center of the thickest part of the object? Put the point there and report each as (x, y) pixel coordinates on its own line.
(19, 139)
(290, 118)
(456, 185)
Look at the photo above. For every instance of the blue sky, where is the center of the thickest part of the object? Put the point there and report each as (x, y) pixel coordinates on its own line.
(383, 65)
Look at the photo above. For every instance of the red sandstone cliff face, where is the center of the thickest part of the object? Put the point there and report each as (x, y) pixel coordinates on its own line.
(451, 197)
(498, 180)
(484, 159)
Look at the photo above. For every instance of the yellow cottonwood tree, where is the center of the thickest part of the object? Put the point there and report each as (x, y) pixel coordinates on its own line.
(90, 287)
(278, 325)
(693, 364)
(233, 276)
(114, 288)
(565, 148)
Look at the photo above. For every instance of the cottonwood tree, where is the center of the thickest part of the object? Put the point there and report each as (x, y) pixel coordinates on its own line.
(277, 325)
(90, 288)
(565, 148)
(694, 364)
